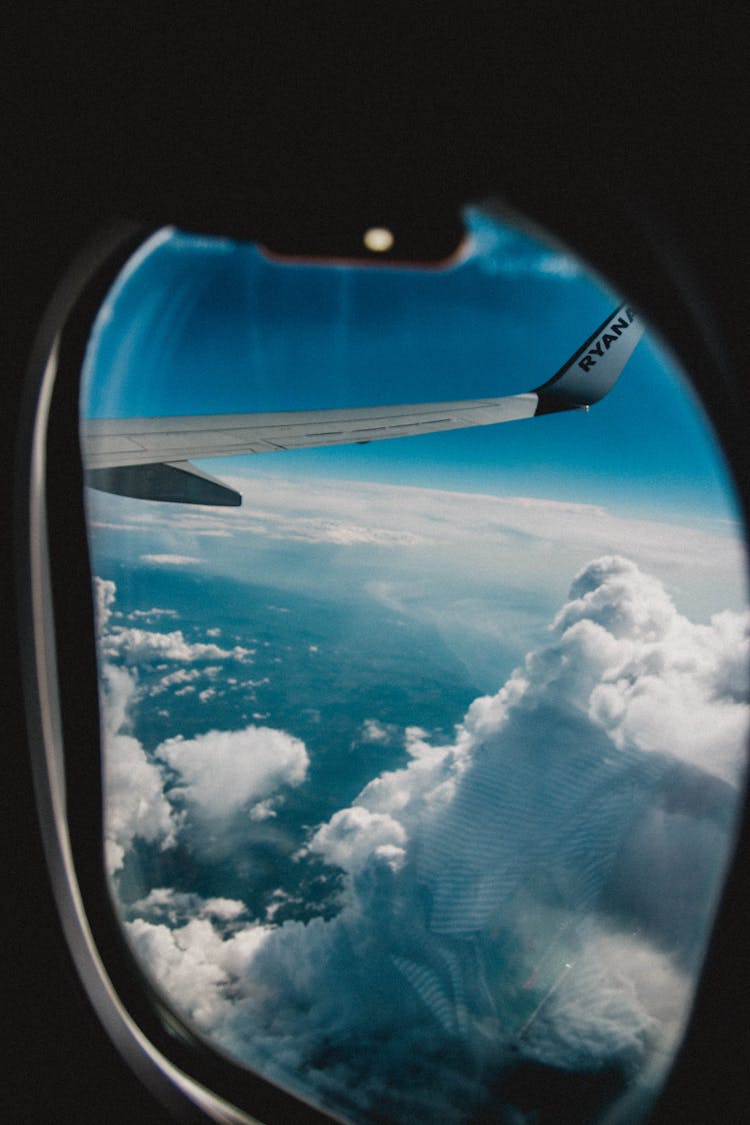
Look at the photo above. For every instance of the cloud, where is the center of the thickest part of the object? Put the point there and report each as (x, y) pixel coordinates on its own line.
(137, 614)
(171, 560)
(353, 836)
(163, 904)
(669, 686)
(190, 964)
(104, 598)
(375, 731)
(442, 555)
(413, 516)
(139, 646)
(221, 772)
(321, 530)
(535, 888)
(617, 996)
(133, 785)
(105, 525)
(280, 516)
(179, 678)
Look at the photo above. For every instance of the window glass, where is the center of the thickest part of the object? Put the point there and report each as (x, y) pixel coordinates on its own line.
(422, 764)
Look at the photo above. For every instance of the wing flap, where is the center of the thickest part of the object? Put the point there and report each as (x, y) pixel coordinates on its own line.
(179, 483)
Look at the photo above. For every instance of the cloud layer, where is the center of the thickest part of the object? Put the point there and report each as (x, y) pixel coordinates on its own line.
(537, 888)
(445, 556)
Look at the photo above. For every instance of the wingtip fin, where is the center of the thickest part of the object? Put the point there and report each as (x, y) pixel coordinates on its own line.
(595, 367)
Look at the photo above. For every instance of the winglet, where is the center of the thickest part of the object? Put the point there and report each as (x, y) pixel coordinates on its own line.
(595, 368)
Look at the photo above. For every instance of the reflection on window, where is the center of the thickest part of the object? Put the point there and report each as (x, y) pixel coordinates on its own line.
(422, 765)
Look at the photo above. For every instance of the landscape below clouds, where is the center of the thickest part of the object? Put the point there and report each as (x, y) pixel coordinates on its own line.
(529, 888)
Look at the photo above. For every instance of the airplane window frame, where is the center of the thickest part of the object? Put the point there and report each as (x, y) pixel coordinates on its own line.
(61, 680)
(192, 1078)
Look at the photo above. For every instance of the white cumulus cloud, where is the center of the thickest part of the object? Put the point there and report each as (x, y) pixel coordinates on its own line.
(375, 731)
(354, 835)
(133, 785)
(191, 964)
(105, 594)
(668, 685)
(136, 646)
(220, 772)
(178, 907)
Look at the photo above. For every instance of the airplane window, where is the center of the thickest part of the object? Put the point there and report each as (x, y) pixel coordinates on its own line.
(422, 756)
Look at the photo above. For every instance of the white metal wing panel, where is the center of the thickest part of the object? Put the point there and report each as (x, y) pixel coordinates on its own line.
(110, 443)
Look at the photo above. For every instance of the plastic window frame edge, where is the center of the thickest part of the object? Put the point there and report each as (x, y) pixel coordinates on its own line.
(181, 1094)
(188, 1098)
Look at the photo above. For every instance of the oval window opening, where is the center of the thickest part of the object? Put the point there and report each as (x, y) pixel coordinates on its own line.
(423, 734)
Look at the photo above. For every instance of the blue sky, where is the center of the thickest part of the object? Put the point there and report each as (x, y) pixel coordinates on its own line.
(199, 325)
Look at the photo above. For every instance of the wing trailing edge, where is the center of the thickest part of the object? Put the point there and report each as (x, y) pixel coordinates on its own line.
(148, 458)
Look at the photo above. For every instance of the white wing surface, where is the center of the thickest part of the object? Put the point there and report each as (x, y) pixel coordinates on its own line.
(149, 457)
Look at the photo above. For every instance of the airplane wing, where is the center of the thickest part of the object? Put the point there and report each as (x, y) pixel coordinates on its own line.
(149, 458)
